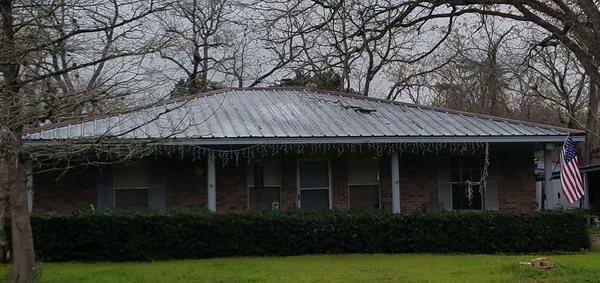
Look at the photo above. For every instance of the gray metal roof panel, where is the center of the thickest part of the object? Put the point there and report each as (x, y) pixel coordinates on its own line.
(285, 113)
(453, 123)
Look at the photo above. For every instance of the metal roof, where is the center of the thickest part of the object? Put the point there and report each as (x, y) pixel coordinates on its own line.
(284, 115)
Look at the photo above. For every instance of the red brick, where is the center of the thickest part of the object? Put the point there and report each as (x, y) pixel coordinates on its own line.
(74, 190)
(232, 188)
(418, 181)
(516, 182)
(289, 186)
(186, 185)
(339, 182)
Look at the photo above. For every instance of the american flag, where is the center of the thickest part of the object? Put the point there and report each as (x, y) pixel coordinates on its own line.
(570, 178)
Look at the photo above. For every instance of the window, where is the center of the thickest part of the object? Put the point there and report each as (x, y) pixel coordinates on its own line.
(314, 184)
(131, 185)
(363, 184)
(264, 180)
(465, 171)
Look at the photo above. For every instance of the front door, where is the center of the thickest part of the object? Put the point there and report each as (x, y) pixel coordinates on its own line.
(314, 191)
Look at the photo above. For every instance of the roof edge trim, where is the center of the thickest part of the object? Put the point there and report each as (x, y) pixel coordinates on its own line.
(316, 140)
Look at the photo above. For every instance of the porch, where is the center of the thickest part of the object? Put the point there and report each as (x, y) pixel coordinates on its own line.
(405, 181)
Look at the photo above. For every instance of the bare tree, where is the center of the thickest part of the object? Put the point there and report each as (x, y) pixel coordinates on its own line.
(417, 81)
(97, 88)
(573, 24)
(200, 37)
(478, 77)
(555, 76)
(235, 42)
(34, 36)
(285, 32)
(343, 37)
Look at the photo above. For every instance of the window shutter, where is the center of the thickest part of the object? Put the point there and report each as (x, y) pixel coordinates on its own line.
(271, 173)
(157, 187)
(444, 184)
(104, 187)
(491, 192)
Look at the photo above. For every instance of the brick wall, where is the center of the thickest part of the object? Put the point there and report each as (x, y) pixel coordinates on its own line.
(339, 182)
(186, 185)
(232, 188)
(74, 190)
(418, 181)
(516, 182)
(289, 193)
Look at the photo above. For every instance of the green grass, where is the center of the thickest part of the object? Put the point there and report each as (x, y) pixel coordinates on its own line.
(331, 268)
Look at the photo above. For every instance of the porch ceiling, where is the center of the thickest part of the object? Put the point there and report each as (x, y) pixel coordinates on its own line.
(282, 115)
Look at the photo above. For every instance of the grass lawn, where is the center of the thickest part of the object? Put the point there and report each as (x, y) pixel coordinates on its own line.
(328, 268)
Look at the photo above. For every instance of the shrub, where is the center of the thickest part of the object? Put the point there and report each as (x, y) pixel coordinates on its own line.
(131, 236)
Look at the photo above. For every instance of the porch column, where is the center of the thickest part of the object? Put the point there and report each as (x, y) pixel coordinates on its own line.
(395, 183)
(211, 179)
(584, 202)
(547, 191)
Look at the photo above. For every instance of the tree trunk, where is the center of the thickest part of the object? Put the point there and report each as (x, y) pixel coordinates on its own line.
(3, 209)
(23, 263)
(591, 123)
(12, 119)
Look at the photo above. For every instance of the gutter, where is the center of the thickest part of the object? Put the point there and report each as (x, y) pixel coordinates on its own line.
(558, 139)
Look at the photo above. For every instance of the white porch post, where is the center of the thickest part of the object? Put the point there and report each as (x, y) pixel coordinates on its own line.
(548, 196)
(211, 179)
(395, 183)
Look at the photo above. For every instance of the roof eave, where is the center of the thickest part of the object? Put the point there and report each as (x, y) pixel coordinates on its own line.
(317, 140)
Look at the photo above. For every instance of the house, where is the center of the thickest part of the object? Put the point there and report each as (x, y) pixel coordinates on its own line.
(265, 148)
(590, 175)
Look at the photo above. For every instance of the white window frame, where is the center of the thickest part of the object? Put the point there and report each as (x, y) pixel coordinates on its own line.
(251, 167)
(378, 184)
(452, 183)
(298, 189)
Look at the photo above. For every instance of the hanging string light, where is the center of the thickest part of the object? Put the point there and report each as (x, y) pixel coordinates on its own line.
(265, 150)
(318, 149)
(482, 182)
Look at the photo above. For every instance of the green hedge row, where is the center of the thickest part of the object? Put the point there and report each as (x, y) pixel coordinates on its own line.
(127, 236)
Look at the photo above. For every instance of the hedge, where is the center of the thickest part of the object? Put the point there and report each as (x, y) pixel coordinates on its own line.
(134, 236)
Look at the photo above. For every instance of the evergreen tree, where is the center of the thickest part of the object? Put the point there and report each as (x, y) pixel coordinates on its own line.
(184, 87)
(328, 80)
